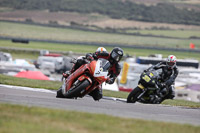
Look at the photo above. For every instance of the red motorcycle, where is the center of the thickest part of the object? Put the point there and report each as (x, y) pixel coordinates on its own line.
(85, 79)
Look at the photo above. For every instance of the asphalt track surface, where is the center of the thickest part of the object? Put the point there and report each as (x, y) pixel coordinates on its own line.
(109, 106)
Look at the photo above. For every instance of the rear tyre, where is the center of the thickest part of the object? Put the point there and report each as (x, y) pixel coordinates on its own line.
(78, 89)
(59, 93)
(132, 97)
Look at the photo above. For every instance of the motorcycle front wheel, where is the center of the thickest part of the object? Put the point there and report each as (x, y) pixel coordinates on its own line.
(133, 96)
(78, 89)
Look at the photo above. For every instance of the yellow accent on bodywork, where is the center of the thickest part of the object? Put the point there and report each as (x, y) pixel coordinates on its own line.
(146, 78)
(151, 74)
(141, 86)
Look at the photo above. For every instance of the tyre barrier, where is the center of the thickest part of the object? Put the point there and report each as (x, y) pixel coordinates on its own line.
(181, 62)
(15, 40)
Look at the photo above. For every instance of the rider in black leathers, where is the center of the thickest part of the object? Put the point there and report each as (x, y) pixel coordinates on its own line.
(167, 76)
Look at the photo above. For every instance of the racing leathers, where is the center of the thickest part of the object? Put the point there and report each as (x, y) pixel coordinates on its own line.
(167, 77)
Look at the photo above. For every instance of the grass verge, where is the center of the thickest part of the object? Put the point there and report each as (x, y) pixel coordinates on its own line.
(54, 85)
(9, 80)
(181, 103)
(18, 119)
(85, 49)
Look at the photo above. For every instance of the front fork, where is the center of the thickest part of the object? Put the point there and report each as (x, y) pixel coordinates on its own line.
(143, 89)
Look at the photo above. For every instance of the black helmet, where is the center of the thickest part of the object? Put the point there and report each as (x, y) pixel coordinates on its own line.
(116, 54)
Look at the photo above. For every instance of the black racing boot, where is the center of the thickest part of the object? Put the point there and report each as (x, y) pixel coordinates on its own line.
(66, 74)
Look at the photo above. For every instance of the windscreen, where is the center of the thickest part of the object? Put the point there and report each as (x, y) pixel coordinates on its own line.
(101, 68)
(105, 64)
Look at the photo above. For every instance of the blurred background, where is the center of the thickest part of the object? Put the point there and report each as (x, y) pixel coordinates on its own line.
(42, 36)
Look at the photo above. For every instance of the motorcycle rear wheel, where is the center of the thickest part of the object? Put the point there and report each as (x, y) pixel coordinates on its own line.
(132, 97)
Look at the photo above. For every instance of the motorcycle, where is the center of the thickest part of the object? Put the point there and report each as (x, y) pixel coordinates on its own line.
(148, 89)
(85, 79)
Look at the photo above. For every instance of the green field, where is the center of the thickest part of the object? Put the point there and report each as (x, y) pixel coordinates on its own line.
(65, 34)
(85, 49)
(23, 119)
(169, 33)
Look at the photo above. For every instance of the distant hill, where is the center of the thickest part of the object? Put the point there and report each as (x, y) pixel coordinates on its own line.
(118, 9)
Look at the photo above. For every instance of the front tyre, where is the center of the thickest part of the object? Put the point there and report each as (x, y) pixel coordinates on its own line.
(75, 92)
(133, 96)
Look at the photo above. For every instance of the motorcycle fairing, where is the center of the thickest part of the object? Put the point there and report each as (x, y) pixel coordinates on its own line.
(74, 76)
(83, 77)
(141, 86)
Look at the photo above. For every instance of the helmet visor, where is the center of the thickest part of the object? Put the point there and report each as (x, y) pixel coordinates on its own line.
(115, 56)
(171, 64)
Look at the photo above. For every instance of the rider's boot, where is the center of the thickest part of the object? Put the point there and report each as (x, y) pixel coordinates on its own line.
(66, 74)
(152, 97)
(155, 99)
(77, 64)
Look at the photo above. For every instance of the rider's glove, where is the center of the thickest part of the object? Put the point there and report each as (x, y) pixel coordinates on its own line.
(161, 85)
(110, 80)
(169, 82)
(95, 56)
(89, 57)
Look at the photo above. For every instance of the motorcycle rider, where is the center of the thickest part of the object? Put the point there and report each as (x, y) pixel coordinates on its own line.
(101, 52)
(114, 57)
(167, 76)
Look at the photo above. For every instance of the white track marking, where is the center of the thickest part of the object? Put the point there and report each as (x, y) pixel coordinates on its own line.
(27, 88)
